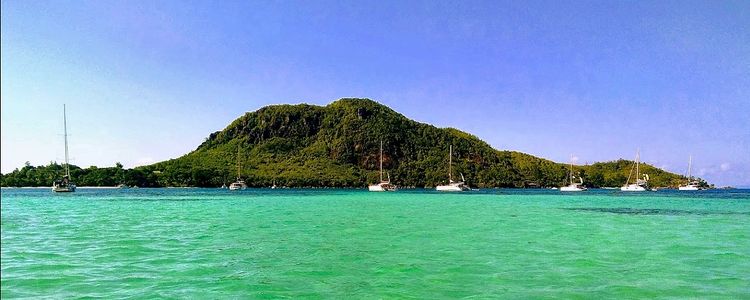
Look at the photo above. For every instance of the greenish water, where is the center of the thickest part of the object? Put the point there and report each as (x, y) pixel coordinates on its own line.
(211, 243)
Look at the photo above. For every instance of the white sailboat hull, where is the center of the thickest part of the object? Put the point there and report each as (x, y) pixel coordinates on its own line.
(572, 188)
(237, 186)
(453, 187)
(633, 188)
(64, 189)
(382, 187)
(689, 188)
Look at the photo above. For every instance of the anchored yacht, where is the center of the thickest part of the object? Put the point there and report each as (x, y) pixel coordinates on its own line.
(384, 185)
(452, 186)
(65, 185)
(573, 187)
(692, 185)
(239, 184)
(639, 185)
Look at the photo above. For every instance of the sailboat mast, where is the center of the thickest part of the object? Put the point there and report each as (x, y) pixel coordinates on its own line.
(238, 162)
(690, 167)
(637, 164)
(450, 162)
(571, 169)
(65, 128)
(381, 161)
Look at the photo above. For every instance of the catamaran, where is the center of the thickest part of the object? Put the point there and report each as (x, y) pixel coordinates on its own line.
(640, 184)
(239, 184)
(573, 187)
(692, 185)
(383, 186)
(65, 184)
(452, 186)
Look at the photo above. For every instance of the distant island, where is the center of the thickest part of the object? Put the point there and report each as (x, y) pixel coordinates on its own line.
(338, 146)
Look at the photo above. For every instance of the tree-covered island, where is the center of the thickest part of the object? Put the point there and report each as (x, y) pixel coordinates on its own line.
(338, 146)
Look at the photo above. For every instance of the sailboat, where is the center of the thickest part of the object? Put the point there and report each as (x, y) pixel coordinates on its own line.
(640, 184)
(573, 187)
(65, 185)
(692, 185)
(239, 184)
(452, 186)
(383, 186)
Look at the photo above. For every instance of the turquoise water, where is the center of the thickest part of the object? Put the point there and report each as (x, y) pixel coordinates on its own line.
(212, 243)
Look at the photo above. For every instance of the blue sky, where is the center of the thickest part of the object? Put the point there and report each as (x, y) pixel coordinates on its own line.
(146, 81)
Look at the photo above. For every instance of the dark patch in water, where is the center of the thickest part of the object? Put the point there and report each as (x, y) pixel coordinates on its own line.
(654, 211)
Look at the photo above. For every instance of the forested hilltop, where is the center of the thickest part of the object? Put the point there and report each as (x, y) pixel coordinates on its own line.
(338, 146)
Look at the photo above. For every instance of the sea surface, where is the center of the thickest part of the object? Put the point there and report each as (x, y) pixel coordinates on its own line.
(353, 244)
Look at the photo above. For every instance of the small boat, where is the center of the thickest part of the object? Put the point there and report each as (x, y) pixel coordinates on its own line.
(640, 184)
(573, 187)
(239, 184)
(65, 185)
(692, 185)
(452, 186)
(383, 186)
(633, 188)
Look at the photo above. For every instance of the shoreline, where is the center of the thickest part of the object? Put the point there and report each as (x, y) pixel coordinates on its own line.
(324, 188)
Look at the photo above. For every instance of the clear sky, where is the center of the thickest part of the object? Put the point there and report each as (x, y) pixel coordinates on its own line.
(146, 81)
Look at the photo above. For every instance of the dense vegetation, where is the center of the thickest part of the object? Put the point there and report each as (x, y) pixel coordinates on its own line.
(337, 146)
(93, 176)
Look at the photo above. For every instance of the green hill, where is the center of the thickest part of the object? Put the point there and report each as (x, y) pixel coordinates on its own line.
(337, 146)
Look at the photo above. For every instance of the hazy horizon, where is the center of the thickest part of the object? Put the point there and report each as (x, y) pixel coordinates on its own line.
(146, 82)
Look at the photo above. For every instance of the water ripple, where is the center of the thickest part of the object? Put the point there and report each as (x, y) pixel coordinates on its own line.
(340, 244)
